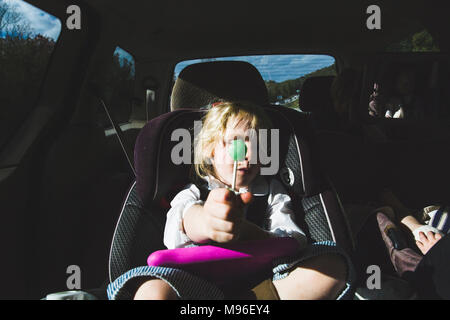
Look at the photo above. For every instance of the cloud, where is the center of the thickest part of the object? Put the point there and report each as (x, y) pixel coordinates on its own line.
(40, 21)
(277, 67)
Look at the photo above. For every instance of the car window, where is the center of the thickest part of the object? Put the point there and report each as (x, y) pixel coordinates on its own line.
(421, 41)
(119, 94)
(283, 74)
(412, 89)
(27, 39)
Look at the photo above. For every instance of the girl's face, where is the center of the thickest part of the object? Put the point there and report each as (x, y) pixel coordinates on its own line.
(223, 163)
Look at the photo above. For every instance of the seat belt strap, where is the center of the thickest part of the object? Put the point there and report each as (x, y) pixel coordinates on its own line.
(120, 136)
(119, 133)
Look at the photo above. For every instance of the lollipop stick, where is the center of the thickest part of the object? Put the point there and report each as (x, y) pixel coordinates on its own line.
(237, 152)
(233, 186)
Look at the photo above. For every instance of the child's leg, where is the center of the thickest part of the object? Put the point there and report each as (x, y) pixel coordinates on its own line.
(321, 277)
(155, 289)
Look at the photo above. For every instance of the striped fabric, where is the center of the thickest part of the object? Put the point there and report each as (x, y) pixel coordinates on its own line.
(284, 265)
(190, 287)
(186, 285)
(439, 219)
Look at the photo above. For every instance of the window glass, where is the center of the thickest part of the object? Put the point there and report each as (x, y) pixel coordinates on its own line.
(283, 74)
(421, 41)
(120, 81)
(27, 39)
(411, 90)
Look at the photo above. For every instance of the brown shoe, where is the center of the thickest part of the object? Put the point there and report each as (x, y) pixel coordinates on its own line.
(403, 259)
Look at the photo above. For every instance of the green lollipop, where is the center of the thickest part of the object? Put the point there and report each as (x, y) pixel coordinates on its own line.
(237, 152)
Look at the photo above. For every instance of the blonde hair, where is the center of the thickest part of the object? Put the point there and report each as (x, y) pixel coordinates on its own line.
(215, 125)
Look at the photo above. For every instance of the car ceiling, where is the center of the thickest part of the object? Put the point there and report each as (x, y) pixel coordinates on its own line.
(200, 28)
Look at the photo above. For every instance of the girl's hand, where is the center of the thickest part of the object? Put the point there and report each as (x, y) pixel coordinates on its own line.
(223, 214)
(427, 241)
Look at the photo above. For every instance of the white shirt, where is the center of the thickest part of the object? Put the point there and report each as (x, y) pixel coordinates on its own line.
(279, 215)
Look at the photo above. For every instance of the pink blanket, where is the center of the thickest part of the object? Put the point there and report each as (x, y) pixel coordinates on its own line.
(223, 263)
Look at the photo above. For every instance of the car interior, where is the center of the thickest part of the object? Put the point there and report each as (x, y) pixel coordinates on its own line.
(86, 121)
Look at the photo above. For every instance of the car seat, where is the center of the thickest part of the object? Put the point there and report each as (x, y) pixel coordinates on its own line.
(139, 230)
(140, 227)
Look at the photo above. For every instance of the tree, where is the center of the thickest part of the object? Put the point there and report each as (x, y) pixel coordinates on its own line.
(12, 23)
(289, 88)
(23, 60)
(419, 42)
(423, 42)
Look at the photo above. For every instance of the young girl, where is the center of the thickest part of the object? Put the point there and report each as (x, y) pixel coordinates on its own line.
(319, 272)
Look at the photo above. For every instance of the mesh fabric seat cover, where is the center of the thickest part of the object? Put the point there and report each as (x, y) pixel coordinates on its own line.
(139, 230)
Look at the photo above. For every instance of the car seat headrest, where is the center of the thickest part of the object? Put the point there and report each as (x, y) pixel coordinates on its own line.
(156, 172)
(315, 95)
(204, 83)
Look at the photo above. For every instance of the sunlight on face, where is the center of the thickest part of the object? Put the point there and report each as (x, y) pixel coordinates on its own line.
(248, 169)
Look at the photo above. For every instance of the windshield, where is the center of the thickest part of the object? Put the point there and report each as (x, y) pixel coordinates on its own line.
(283, 74)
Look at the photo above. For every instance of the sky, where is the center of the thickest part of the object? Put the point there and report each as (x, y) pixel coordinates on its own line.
(272, 67)
(277, 67)
(39, 21)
